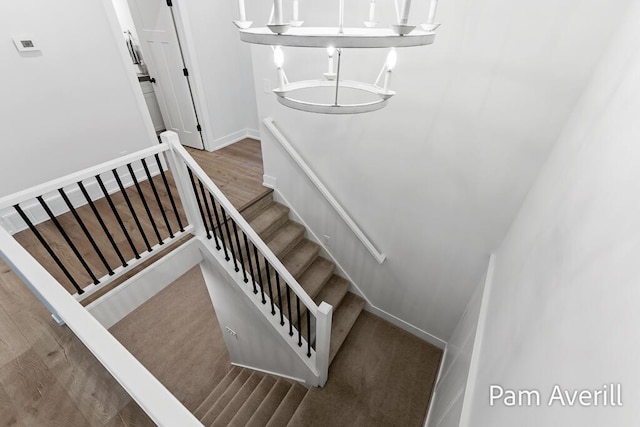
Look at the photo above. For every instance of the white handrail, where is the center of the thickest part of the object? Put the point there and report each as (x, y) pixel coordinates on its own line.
(172, 140)
(269, 123)
(39, 190)
(161, 406)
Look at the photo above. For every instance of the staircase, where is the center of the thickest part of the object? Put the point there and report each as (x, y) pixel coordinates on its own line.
(314, 273)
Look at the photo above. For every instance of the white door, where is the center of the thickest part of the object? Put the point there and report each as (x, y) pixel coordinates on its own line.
(163, 56)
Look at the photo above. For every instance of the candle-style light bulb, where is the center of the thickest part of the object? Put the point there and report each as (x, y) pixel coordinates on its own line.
(432, 11)
(278, 61)
(406, 6)
(277, 11)
(243, 12)
(296, 10)
(331, 51)
(372, 11)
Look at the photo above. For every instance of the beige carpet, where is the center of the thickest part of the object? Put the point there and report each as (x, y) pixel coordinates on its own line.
(382, 376)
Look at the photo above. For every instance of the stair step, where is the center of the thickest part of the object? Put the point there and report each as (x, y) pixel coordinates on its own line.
(270, 404)
(301, 257)
(251, 405)
(344, 317)
(270, 219)
(216, 392)
(312, 281)
(238, 400)
(286, 238)
(256, 207)
(225, 397)
(288, 406)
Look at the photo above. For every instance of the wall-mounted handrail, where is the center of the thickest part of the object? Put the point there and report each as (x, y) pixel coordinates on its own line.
(161, 406)
(270, 125)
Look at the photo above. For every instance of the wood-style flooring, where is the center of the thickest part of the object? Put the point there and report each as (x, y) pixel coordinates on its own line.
(47, 377)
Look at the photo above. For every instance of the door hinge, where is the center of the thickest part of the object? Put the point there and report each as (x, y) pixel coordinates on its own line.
(198, 127)
(185, 72)
(169, 3)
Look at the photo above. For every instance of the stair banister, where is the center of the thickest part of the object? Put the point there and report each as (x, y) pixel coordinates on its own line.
(172, 139)
(161, 406)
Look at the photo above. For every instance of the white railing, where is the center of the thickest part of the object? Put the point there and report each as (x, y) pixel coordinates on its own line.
(270, 125)
(162, 407)
(318, 362)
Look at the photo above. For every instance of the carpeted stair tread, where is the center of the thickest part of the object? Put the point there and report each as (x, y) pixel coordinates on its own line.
(225, 397)
(288, 406)
(301, 257)
(285, 238)
(238, 400)
(255, 207)
(332, 293)
(251, 405)
(344, 316)
(216, 392)
(270, 219)
(270, 404)
(312, 281)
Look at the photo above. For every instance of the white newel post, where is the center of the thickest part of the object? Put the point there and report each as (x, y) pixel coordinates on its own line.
(323, 341)
(181, 177)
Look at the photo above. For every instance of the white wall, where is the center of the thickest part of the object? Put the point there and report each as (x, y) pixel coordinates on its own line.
(73, 105)
(436, 178)
(565, 297)
(449, 394)
(224, 64)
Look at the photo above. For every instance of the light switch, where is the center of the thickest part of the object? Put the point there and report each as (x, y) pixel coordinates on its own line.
(26, 44)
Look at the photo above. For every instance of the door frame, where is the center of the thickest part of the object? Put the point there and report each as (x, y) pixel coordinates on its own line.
(183, 29)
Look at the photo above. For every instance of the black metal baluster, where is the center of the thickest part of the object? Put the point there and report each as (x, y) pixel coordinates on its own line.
(215, 234)
(102, 224)
(255, 252)
(268, 273)
(203, 193)
(168, 188)
(308, 334)
(118, 218)
(244, 270)
(195, 191)
(215, 212)
(85, 231)
(253, 276)
(44, 243)
(133, 212)
(299, 328)
(144, 203)
(279, 299)
(226, 226)
(155, 194)
(289, 310)
(68, 240)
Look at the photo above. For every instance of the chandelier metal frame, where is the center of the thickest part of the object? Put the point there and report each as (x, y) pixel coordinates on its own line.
(277, 33)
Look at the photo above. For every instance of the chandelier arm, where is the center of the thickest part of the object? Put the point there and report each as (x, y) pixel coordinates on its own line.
(270, 21)
(395, 2)
(338, 75)
(382, 70)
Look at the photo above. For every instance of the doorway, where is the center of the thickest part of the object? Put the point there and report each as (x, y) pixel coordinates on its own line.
(157, 57)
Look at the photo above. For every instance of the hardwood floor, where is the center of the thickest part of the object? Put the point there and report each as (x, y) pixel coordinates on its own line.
(47, 377)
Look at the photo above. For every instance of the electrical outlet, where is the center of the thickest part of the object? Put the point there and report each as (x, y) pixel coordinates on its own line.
(267, 86)
(231, 332)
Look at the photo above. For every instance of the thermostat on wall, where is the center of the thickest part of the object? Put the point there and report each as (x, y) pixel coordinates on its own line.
(25, 44)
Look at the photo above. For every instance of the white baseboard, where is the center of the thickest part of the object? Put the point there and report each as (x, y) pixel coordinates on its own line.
(12, 222)
(445, 355)
(115, 305)
(370, 307)
(269, 181)
(234, 137)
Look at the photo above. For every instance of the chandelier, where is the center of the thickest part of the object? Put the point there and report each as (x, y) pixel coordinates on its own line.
(278, 33)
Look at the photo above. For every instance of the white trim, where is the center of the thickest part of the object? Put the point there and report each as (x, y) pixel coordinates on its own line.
(269, 182)
(276, 374)
(36, 213)
(270, 125)
(161, 406)
(465, 416)
(370, 307)
(234, 137)
(445, 355)
(110, 11)
(113, 306)
(253, 133)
